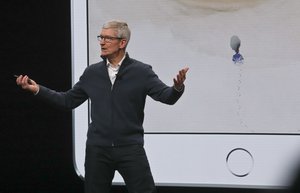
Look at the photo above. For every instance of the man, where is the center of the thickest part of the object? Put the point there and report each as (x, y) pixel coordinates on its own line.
(117, 88)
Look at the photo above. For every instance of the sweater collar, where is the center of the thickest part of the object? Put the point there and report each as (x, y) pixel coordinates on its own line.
(124, 60)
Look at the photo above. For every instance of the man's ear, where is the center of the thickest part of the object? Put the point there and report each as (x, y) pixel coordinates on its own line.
(123, 43)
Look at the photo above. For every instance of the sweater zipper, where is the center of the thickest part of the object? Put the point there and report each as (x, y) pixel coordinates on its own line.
(112, 113)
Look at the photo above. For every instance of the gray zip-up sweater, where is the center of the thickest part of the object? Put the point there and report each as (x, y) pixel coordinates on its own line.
(117, 112)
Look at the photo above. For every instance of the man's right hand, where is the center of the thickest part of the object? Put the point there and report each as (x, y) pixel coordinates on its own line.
(27, 84)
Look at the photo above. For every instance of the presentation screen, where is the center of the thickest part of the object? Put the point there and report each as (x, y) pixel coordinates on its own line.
(241, 107)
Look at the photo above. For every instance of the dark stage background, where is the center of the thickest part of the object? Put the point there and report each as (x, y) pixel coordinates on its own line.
(35, 138)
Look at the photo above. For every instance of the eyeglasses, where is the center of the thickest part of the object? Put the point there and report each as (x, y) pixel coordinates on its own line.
(107, 38)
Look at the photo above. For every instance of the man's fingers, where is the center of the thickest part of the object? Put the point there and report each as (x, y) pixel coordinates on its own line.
(180, 77)
(23, 81)
(182, 74)
(185, 70)
(18, 80)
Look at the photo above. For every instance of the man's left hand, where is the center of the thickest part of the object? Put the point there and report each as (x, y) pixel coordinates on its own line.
(180, 78)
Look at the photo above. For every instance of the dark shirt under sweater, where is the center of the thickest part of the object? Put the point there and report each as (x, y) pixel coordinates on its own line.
(117, 111)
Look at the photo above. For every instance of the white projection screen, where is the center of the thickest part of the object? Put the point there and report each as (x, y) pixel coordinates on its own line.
(238, 123)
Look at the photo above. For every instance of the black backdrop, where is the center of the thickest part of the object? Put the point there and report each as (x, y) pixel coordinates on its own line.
(35, 138)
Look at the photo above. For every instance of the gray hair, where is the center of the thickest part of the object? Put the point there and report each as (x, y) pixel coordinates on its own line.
(121, 27)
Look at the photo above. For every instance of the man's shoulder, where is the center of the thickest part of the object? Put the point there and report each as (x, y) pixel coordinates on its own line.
(98, 64)
(139, 64)
(95, 66)
(94, 70)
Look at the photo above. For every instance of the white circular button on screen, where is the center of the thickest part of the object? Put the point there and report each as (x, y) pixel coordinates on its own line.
(240, 162)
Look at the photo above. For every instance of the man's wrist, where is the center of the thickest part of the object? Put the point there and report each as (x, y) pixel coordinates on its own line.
(37, 91)
(179, 89)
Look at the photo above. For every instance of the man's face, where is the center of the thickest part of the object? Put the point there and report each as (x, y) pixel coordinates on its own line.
(110, 43)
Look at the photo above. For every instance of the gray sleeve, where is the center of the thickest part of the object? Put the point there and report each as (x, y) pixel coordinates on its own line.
(159, 91)
(64, 100)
